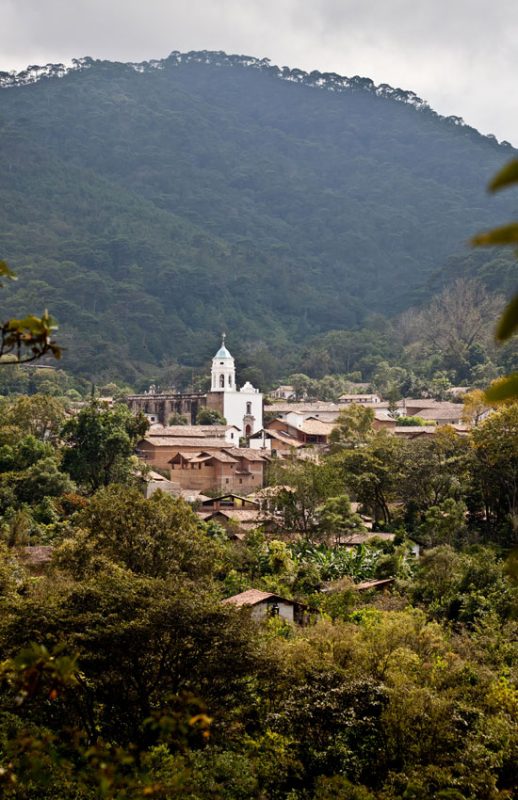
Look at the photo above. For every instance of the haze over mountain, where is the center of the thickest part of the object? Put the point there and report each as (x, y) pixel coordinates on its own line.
(150, 206)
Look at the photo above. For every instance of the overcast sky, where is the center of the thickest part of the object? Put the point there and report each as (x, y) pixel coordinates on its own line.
(460, 55)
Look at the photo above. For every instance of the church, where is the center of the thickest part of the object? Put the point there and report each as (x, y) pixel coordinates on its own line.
(241, 407)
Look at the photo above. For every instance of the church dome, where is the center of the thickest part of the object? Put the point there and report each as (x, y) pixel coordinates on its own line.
(223, 352)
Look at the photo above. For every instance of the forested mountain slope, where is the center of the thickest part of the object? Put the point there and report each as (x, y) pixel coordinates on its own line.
(150, 206)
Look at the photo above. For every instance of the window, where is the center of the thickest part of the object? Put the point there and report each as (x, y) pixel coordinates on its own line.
(230, 380)
(222, 381)
(249, 408)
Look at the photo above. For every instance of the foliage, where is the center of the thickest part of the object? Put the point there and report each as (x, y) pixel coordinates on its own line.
(210, 416)
(25, 340)
(312, 185)
(99, 442)
(508, 323)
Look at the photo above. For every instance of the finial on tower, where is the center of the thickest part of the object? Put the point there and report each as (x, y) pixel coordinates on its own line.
(223, 337)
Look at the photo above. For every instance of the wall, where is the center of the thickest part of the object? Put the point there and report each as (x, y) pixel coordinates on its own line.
(234, 408)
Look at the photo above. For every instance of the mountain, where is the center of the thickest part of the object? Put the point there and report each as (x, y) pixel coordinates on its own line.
(150, 206)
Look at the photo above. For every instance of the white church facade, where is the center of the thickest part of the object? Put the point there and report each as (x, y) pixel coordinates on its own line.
(241, 407)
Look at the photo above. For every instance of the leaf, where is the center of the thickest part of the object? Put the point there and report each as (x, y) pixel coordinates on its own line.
(508, 322)
(502, 390)
(507, 234)
(507, 176)
(6, 272)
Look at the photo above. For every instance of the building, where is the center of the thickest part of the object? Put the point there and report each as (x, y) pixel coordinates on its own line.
(284, 392)
(363, 399)
(267, 604)
(242, 408)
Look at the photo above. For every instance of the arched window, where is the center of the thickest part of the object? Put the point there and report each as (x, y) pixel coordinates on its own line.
(230, 380)
(249, 408)
(222, 381)
(248, 430)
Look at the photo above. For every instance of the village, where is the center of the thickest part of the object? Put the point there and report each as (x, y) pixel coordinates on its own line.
(223, 469)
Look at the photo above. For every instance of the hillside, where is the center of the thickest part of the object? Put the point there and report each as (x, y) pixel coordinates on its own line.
(150, 206)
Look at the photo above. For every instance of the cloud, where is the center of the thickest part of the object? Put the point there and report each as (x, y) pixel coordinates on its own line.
(459, 55)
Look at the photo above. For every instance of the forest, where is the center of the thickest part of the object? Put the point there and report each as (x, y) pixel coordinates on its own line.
(149, 207)
(125, 676)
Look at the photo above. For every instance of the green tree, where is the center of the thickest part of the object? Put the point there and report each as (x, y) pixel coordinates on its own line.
(354, 427)
(337, 519)
(495, 470)
(210, 416)
(305, 485)
(158, 537)
(98, 443)
(38, 415)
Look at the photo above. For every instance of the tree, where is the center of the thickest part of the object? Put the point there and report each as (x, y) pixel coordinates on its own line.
(458, 319)
(156, 537)
(372, 473)
(210, 416)
(337, 518)
(38, 415)
(495, 469)
(475, 406)
(98, 444)
(305, 485)
(177, 419)
(354, 427)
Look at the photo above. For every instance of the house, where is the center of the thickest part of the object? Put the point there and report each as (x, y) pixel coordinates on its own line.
(266, 604)
(157, 451)
(277, 443)
(327, 412)
(235, 513)
(232, 468)
(383, 420)
(226, 501)
(363, 399)
(238, 520)
(227, 433)
(306, 430)
(284, 392)
(154, 481)
(440, 412)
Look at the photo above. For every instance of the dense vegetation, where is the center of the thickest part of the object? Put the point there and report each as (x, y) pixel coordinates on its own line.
(123, 675)
(151, 206)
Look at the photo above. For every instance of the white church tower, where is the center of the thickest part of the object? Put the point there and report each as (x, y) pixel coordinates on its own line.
(242, 408)
(223, 370)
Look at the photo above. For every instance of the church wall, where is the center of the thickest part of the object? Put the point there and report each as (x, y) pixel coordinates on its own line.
(235, 408)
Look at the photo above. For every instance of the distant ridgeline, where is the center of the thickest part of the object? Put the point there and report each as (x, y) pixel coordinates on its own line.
(330, 81)
(150, 206)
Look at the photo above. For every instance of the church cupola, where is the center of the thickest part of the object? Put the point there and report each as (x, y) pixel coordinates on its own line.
(223, 370)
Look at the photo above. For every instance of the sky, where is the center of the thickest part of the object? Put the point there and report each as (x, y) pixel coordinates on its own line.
(459, 55)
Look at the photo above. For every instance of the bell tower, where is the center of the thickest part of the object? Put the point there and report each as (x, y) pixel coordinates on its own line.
(223, 374)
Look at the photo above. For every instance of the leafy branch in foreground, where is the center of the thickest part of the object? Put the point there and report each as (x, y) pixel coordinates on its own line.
(29, 338)
(507, 387)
